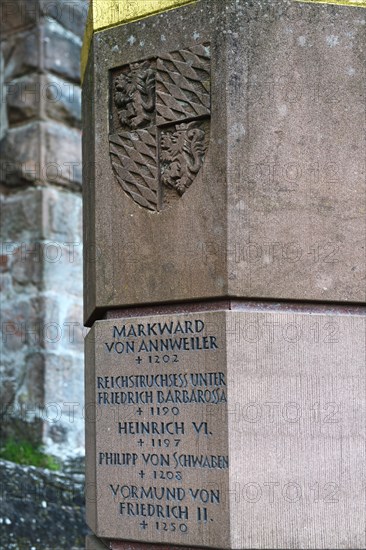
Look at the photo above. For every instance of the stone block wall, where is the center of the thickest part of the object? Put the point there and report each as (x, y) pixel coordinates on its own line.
(41, 238)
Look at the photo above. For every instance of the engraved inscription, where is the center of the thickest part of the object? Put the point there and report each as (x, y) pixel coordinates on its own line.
(160, 125)
(161, 460)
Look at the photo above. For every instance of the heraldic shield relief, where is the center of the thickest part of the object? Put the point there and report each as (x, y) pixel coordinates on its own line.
(160, 124)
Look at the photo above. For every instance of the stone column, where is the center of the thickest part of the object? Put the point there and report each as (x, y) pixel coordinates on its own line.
(41, 250)
(224, 237)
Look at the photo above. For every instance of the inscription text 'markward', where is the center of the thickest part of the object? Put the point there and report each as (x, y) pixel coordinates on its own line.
(172, 336)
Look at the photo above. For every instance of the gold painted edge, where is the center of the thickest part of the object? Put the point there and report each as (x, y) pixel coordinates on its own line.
(109, 13)
(85, 48)
(90, 28)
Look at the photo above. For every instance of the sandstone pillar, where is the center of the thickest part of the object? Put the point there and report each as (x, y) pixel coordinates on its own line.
(224, 239)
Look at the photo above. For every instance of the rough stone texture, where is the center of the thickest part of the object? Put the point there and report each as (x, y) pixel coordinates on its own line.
(42, 327)
(20, 14)
(278, 209)
(20, 155)
(48, 47)
(41, 509)
(21, 53)
(41, 249)
(60, 99)
(63, 101)
(41, 153)
(292, 426)
(62, 155)
(16, 15)
(42, 74)
(70, 15)
(62, 51)
(22, 98)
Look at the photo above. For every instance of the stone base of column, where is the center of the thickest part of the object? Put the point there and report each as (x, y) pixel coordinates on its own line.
(265, 404)
(93, 543)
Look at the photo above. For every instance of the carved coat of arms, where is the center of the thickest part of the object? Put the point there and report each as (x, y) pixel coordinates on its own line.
(159, 125)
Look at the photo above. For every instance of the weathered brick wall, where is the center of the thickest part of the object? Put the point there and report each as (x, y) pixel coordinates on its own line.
(40, 198)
